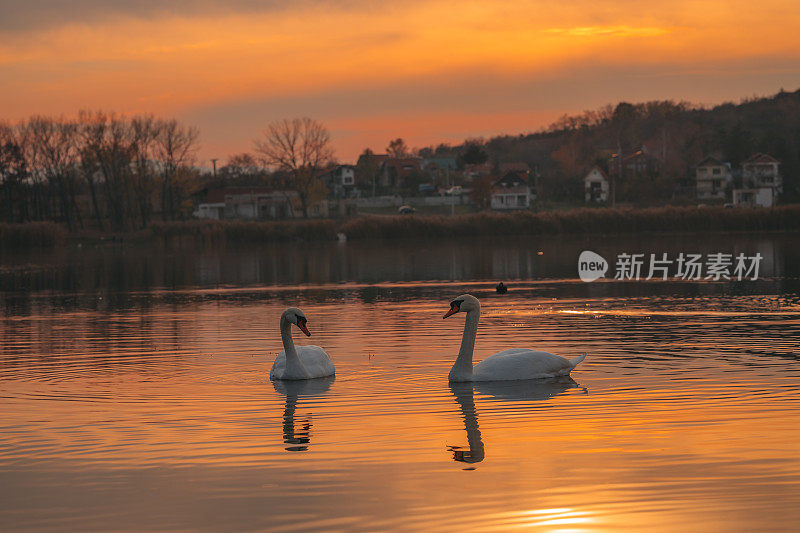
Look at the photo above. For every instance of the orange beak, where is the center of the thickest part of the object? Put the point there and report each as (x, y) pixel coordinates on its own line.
(303, 328)
(453, 310)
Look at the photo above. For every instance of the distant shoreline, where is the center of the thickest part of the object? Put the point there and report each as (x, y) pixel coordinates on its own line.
(382, 227)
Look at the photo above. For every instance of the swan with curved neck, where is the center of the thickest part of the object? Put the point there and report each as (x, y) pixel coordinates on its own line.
(511, 364)
(303, 362)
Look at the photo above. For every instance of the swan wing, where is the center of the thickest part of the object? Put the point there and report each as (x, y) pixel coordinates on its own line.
(316, 360)
(521, 363)
(278, 366)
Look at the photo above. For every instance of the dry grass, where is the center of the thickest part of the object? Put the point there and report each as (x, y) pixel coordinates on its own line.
(576, 221)
(214, 231)
(31, 235)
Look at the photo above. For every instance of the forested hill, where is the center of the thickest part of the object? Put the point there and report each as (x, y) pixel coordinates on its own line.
(679, 134)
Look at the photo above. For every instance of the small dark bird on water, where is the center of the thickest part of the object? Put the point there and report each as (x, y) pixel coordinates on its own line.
(501, 289)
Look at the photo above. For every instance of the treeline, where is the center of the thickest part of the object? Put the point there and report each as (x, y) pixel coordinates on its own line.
(100, 169)
(679, 134)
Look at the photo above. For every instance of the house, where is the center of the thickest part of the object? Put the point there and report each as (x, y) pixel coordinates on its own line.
(515, 166)
(473, 172)
(369, 167)
(761, 182)
(438, 167)
(210, 210)
(246, 202)
(761, 170)
(340, 180)
(712, 178)
(754, 197)
(511, 192)
(370, 159)
(636, 165)
(395, 170)
(596, 185)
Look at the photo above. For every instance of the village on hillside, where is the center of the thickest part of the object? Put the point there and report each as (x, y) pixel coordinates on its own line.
(384, 183)
(108, 172)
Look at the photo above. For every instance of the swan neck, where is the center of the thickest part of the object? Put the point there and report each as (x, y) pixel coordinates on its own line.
(286, 337)
(468, 413)
(294, 367)
(476, 450)
(462, 369)
(288, 419)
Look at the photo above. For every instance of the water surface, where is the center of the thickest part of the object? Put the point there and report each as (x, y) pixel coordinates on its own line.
(135, 392)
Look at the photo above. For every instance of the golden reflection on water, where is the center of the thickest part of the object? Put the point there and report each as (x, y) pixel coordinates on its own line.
(162, 416)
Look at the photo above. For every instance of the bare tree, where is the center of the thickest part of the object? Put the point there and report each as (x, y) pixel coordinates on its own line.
(174, 149)
(107, 160)
(53, 157)
(92, 134)
(13, 175)
(300, 147)
(145, 131)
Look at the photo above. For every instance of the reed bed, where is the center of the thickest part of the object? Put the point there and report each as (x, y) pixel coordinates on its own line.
(31, 235)
(236, 231)
(577, 221)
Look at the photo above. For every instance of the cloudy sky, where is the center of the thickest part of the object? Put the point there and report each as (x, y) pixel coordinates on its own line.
(426, 70)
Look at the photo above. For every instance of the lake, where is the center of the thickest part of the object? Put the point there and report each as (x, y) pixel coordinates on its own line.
(135, 391)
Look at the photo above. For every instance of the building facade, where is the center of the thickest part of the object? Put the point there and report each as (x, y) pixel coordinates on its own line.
(596, 185)
(511, 192)
(712, 179)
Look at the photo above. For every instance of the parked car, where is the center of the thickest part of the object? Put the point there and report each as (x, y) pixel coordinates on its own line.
(454, 190)
(406, 210)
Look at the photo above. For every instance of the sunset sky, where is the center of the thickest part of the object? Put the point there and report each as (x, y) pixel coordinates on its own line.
(428, 71)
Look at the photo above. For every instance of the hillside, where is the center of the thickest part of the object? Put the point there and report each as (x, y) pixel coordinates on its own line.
(679, 134)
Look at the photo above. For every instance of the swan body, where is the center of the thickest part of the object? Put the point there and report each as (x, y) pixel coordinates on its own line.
(304, 362)
(507, 365)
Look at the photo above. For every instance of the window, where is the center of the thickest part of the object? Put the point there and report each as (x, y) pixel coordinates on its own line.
(521, 199)
(716, 171)
(347, 180)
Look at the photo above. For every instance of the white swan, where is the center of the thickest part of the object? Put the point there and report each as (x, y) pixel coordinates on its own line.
(305, 362)
(511, 364)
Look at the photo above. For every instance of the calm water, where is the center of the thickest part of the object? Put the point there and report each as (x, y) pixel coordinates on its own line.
(135, 394)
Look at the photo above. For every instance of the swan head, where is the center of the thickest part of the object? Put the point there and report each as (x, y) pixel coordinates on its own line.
(465, 303)
(295, 316)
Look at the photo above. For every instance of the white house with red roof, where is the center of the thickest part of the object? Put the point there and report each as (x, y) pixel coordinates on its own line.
(511, 192)
(596, 185)
(761, 182)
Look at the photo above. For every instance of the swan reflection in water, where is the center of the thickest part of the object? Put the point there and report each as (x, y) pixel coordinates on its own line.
(527, 390)
(297, 431)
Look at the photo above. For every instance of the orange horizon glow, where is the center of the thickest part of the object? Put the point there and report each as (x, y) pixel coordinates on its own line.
(425, 71)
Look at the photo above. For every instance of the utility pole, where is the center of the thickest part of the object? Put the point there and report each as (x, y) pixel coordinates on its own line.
(214, 164)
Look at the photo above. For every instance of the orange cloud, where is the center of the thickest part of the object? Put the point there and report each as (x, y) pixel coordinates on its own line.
(172, 64)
